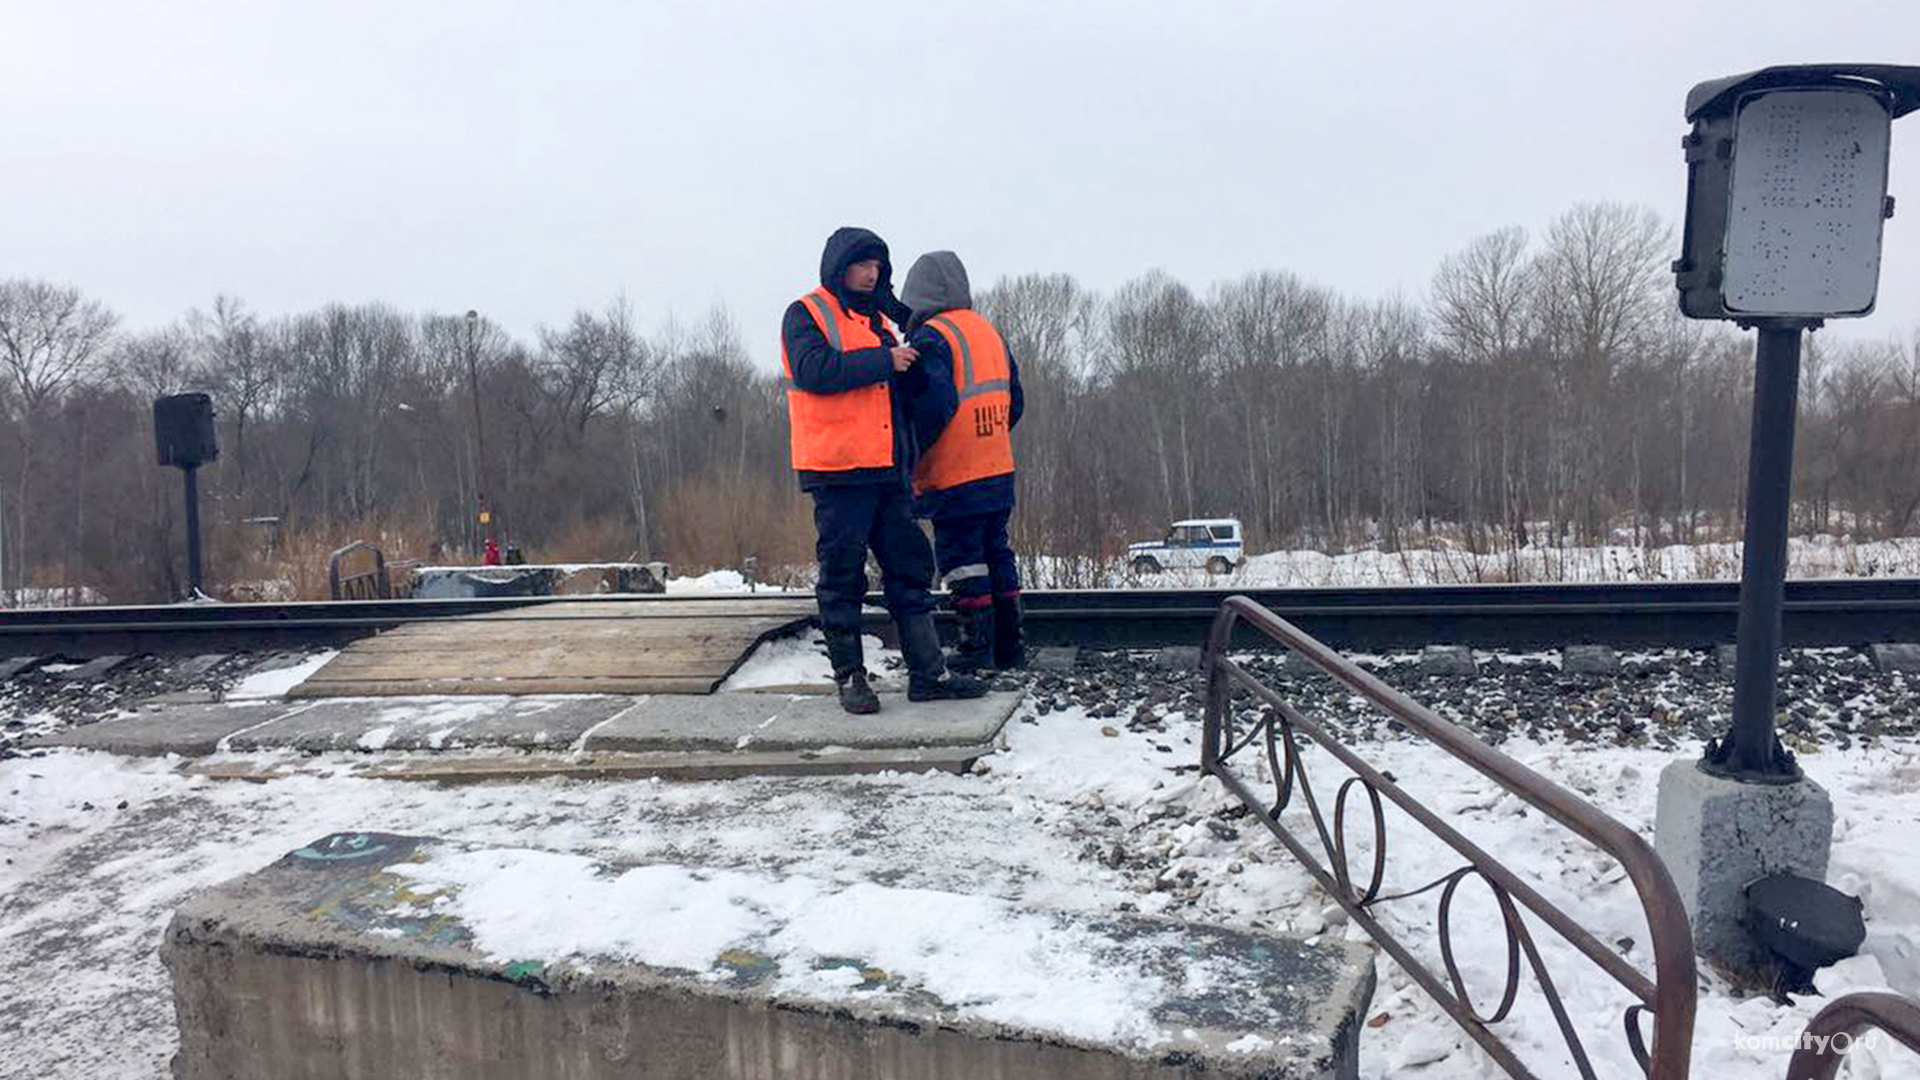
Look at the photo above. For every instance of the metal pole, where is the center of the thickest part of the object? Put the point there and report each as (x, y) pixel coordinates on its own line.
(479, 430)
(193, 531)
(1752, 750)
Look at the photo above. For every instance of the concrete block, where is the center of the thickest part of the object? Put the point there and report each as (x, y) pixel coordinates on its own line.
(274, 662)
(1175, 658)
(374, 955)
(1901, 658)
(1448, 660)
(1295, 666)
(15, 665)
(427, 723)
(746, 721)
(197, 666)
(1056, 658)
(97, 668)
(188, 730)
(454, 767)
(200, 695)
(1589, 660)
(458, 582)
(1717, 835)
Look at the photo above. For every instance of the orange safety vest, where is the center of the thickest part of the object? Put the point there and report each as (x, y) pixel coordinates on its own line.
(845, 431)
(978, 441)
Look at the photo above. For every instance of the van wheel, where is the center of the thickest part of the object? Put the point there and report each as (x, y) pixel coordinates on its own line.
(1219, 565)
(1146, 564)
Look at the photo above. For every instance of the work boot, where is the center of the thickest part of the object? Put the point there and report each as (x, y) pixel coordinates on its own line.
(844, 652)
(973, 651)
(1009, 637)
(856, 696)
(927, 678)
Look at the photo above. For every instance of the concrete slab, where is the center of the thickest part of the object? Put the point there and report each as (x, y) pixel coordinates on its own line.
(97, 668)
(1177, 658)
(14, 665)
(1897, 657)
(1448, 660)
(200, 695)
(188, 730)
(553, 722)
(1056, 658)
(745, 720)
(356, 957)
(196, 666)
(1589, 660)
(689, 766)
(734, 734)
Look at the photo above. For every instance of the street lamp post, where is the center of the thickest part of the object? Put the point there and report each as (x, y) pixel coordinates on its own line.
(480, 443)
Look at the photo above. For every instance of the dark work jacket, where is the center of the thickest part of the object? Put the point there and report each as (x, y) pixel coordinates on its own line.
(933, 408)
(819, 369)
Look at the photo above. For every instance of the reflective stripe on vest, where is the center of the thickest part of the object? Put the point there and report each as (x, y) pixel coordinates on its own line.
(977, 442)
(845, 431)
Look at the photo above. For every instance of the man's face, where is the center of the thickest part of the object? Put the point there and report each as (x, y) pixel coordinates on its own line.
(863, 275)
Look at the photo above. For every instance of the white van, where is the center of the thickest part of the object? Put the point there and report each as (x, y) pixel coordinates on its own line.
(1210, 544)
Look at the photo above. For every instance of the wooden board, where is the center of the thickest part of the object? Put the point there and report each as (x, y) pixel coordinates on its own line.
(598, 647)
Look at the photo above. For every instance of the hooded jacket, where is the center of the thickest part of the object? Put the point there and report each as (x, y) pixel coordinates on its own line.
(938, 283)
(818, 368)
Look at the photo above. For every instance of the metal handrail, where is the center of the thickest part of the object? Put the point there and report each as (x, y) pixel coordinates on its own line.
(1819, 1052)
(368, 584)
(1670, 996)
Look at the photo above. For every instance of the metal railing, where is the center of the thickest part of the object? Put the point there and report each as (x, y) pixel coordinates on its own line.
(1669, 997)
(370, 583)
(1820, 1048)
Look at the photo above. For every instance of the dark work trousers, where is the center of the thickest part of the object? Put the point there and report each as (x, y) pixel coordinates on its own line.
(975, 558)
(851, 520)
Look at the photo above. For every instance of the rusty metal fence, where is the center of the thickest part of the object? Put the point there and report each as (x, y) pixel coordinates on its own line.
(1821, 1047)
(1668, 998)
(367, 580)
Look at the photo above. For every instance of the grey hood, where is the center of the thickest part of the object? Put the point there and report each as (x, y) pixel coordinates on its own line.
(936, 283)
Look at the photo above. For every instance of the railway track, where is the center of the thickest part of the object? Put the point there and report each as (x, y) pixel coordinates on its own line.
(1675, 614)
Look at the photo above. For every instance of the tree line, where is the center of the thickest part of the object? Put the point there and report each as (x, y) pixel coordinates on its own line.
(1545, 393)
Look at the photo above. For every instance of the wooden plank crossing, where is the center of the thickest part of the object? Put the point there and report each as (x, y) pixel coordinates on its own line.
(661, 646)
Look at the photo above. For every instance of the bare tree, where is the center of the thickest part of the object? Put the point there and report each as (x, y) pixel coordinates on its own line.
(52, 340)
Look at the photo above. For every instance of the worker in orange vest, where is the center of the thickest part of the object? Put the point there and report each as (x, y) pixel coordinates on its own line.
(964, 419)
(848, 381)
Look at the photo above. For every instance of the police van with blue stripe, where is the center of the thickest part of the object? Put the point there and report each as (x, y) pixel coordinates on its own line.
(1211, 544)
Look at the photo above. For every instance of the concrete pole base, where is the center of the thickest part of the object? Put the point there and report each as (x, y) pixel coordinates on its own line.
(1717, 835)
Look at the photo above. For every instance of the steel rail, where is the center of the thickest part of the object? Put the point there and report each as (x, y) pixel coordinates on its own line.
(1846, 612)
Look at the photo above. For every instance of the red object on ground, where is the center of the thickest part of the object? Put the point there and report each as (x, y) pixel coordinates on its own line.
(492, 557)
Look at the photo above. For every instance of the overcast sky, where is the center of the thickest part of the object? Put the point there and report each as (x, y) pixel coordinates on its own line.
(529, 159)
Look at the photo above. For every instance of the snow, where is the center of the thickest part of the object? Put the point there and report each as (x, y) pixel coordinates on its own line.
(942, 871)
(276, 683)
(801, 660)
(996, 962)
(717, 581)
(1443, 564)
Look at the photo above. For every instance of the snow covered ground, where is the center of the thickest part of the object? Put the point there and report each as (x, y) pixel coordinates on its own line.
(1808, 557)
(1085, 811)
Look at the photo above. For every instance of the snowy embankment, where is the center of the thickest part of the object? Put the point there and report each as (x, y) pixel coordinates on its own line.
(1808, 557)
(1094, 807)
